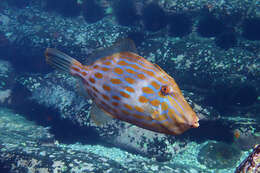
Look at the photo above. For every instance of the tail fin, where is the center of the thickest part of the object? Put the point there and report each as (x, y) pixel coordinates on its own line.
(61, 61)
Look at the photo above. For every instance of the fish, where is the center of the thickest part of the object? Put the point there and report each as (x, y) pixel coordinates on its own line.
(125, 86)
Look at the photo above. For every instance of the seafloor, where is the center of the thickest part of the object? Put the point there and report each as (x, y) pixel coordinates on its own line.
(44, 121)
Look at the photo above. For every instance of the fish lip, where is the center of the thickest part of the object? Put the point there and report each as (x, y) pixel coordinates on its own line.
(195, 124)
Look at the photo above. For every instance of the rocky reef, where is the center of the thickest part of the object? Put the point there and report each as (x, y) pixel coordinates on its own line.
(44, 119)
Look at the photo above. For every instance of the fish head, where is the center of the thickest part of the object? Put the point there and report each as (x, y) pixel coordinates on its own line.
(174, 109)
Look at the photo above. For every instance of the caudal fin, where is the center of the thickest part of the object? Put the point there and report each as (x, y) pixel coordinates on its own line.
(62, 61)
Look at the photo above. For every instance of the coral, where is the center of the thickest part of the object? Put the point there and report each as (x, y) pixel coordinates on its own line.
(251, 28)
(92, 11)
(125, 12)
(154, 17)
(210, 26)
(68, 8)
(219, 155)
(226, 40)
(180, 25)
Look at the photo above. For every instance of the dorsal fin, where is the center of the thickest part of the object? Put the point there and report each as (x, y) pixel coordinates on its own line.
(122, 45)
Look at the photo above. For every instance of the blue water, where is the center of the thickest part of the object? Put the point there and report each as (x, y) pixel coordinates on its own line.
(211, 48)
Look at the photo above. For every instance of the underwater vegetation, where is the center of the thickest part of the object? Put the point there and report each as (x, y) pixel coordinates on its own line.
(226, 40)
(219, 155)
(210, 26)
(157, 20)
(251, 28)
(68, 8)
(92, 11)
(125, 12)
(180, 25)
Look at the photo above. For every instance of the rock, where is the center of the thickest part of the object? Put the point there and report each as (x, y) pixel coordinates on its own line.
(251, 163)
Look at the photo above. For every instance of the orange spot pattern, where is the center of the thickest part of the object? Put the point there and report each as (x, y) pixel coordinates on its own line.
(147, 90)
(125, 112)
(128, 106)
(129, 89)
(139, 109)
(155, 85)
(115, 103)
(122, 63)
(105, 69)
(141, 76)
(95, 66)
(164, 106)
(107, 63)
(106, 88)
(116, 97)
(155, 102)
(118, 70)
(161, 117)
(75, 69)
(105, 97)
(115, 81)
(130, 80)
(150, 73)
(84, 73)
(130, 71)
(124, 94)
(98, 75)
(143, 99)
(92, 80)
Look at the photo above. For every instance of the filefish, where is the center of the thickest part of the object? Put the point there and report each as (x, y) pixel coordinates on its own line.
(126, 86)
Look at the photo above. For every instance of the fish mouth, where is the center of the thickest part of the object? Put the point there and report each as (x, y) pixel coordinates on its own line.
(195, 124)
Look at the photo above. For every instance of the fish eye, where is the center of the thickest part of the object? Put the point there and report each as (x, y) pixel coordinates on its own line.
(165, 90)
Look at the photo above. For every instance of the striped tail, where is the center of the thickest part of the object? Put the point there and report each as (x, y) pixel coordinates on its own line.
(62, 61)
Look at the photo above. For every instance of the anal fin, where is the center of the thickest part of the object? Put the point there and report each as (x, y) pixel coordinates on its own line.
(99, 116)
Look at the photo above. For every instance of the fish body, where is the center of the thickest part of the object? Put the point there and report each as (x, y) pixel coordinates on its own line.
(128, 87)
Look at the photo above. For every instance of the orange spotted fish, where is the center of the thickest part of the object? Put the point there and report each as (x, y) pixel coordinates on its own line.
(125, 86)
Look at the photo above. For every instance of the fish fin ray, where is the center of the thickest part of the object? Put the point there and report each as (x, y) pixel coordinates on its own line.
(122, 45)
(60, 60)
(82, 91)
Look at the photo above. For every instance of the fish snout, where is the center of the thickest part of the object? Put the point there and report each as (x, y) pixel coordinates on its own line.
(195, 122)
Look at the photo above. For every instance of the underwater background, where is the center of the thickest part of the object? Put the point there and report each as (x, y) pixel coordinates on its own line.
(210, 47)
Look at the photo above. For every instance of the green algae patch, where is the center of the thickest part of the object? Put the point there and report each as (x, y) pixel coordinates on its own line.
(219, 155)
